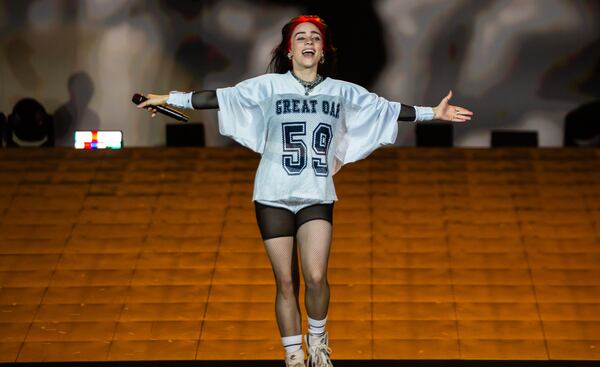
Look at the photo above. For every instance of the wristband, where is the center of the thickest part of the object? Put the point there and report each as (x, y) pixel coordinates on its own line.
(424, 113)
(180, 99)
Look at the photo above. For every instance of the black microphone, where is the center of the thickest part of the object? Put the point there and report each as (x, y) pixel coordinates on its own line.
(138, 98)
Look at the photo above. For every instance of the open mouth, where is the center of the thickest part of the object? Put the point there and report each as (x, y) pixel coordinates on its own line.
(309, 53)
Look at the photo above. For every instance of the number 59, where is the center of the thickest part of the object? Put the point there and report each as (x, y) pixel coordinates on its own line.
(295, 162)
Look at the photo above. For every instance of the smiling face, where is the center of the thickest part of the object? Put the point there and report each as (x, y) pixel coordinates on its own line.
(306, 46)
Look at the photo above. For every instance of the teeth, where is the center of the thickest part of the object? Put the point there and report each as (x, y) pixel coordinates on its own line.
(307, 51)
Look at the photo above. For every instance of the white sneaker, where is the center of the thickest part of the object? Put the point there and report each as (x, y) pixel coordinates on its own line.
(295, 359)
(318, 351)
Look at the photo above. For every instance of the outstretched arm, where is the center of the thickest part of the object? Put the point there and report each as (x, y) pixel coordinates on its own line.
(206, 99)
(444, 111)
(202, 100)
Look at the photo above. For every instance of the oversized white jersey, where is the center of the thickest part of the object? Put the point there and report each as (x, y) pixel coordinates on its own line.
(304, 139)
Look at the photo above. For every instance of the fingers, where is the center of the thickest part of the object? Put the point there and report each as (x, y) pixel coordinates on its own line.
(447, 98)
(459, 114)
(462, 111)
(457, 110)
(149, 104)
(153, 100)
(465, 118)
(461, 119)
(148, 107)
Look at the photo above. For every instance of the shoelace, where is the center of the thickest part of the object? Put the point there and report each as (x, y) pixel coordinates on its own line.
(322, 351)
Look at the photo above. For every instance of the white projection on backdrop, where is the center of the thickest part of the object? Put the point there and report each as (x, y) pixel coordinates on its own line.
(103, 10)
(500, 30)
(494, 54)
(407, 75)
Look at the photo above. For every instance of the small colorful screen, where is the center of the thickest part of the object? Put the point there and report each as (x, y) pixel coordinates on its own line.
(98, 139)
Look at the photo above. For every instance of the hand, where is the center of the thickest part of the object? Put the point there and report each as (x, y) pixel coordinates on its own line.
(153, 100)
(448, 112)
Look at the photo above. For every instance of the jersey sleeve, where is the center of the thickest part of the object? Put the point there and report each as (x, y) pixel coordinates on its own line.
(241, 116)
(370, 122)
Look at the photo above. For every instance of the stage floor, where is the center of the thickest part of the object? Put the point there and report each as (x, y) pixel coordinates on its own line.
(438, 254)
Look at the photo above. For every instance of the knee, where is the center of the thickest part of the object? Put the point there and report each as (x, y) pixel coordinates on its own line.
(315, 280)
(285, 287)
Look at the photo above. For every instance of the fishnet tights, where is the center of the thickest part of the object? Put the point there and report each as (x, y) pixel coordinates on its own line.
(314, 239)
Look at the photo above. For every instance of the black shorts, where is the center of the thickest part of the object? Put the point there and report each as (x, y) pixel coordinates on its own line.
(280, 222)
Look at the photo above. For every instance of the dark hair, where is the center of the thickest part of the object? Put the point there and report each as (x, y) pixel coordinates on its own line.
(279, 60)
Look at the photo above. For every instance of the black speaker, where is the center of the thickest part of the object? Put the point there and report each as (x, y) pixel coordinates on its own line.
(2, 128)
(520, 138)
(29, 125)
(435, 135)
(185, 135)
(582, 126)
